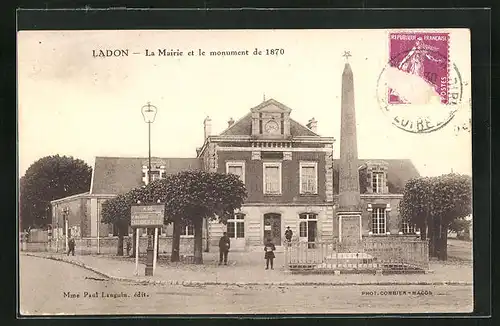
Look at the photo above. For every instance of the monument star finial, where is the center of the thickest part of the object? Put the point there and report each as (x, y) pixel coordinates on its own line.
(346, 55)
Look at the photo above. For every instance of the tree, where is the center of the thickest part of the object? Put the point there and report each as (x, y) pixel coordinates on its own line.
(197, 195)
(117, 211)
(452, 200)
(461, 226)
(47, 179)
(414, 207)
(433, 204)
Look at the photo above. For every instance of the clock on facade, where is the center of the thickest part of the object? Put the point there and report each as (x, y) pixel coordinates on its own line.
(272, 127)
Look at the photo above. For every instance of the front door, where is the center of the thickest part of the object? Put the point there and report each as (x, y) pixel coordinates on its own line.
(272, 228)
(308, 227)
(311, 231)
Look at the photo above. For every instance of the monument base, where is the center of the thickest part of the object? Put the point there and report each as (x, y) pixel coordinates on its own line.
(350, 227)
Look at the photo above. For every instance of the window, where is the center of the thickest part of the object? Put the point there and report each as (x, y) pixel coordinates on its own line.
(303, 229)
(408, 228)
(377, 182)
(308, 178)
(236, 226)
(187, 231)
(378, 220)
(272, 178)
(156, 174)
(237, 168)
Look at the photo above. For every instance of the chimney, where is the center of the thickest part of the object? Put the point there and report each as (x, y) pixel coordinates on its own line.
(230, 122)
(207, 123)
(312, 124)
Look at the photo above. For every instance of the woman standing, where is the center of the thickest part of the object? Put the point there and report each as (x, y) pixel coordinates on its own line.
(269, 253)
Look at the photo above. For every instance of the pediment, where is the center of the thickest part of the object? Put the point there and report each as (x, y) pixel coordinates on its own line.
(271, 105)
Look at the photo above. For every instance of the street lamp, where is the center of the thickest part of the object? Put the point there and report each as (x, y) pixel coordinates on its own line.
(149, 114)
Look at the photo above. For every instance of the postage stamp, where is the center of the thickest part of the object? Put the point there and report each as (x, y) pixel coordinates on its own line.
(425, 55)
(420, 89)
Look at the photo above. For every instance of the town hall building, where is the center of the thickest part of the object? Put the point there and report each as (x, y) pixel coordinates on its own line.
(290, 173)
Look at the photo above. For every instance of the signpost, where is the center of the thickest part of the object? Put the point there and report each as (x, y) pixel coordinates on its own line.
(147, 216)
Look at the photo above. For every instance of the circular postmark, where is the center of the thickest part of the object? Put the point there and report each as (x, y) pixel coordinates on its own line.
(421, 94)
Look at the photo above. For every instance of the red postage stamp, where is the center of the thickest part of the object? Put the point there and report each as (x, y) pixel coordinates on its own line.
(424, 55)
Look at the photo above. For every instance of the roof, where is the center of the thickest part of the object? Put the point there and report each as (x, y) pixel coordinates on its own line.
(116, 175)
(69, 198)
(240, 127)
(244, 125)
(398, 173)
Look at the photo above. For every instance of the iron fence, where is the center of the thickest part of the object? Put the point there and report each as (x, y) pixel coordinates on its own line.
(370, 255)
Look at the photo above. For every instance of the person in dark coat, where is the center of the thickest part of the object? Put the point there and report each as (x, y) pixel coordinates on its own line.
(129, 246)
(71, 246)
(224, 245)
(288, 235)
(269, 253)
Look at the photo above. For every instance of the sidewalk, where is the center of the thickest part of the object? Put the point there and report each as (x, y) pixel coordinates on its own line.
(249, 269)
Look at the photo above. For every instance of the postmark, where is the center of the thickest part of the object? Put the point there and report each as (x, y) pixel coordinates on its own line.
(420, 89)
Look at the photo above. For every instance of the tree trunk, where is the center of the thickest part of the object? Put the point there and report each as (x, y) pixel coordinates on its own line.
(432, 239)
(443, 250)
(198, 241)
(119, 251)
(207, 240)
(176, 240)
(134, 237)
(423, 231)
(436, 237)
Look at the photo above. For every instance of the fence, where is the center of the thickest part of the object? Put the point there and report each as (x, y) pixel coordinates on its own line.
(368, 255)
(107, 245)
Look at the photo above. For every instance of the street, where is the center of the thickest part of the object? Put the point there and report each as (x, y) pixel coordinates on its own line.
(51, 287)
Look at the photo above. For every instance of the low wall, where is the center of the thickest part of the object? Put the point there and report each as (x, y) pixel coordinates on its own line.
(108, 245)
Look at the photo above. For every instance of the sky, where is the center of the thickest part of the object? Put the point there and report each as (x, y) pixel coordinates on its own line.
(72, 103)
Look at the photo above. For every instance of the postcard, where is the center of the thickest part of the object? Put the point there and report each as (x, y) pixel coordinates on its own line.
(185, 172)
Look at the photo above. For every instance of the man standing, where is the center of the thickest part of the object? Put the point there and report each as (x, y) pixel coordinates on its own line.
(129, 246)
(224, 245)
(71, 245)
(288, 235)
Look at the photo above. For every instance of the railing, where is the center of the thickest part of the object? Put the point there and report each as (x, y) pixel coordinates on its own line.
(367, 255)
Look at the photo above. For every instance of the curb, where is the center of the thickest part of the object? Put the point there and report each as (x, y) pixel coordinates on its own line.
(204, 283)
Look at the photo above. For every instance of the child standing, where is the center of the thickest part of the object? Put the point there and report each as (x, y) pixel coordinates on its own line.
(269, 253)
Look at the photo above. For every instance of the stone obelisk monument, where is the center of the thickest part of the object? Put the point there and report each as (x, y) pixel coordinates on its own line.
(348, 211)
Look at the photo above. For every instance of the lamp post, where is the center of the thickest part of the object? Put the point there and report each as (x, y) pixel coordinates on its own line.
(149, 114)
